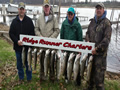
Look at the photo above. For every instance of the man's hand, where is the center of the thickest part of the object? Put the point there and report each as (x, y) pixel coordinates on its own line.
(94, 52)
(20, 43)
(62, 51)
(80, 53)
(41, 36)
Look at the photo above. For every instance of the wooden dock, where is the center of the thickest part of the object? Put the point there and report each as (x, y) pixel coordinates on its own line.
(61, 19)
(6, 33)
(80, 18)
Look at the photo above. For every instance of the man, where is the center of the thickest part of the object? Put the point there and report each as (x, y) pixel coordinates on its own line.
(22, 24)
(46, 26)
(99, 32)
(71, 30)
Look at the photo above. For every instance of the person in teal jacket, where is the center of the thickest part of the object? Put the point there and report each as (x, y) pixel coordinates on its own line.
(71, 30)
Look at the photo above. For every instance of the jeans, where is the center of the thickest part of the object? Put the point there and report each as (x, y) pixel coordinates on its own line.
(20, 66)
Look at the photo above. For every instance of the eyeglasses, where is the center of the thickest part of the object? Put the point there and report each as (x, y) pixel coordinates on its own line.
(70, 13)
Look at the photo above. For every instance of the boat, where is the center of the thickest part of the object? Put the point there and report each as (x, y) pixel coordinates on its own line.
(12, 8)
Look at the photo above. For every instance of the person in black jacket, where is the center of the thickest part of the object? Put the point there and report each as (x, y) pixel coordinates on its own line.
(22, 24)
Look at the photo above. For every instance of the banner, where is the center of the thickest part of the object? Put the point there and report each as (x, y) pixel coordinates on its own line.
(52, 43)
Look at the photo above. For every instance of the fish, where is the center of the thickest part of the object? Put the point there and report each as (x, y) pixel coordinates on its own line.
(52, 65)
(40, 57)
(63, 61)
(52, 60)
(82, 66)
(41, 62)
(70, 66)
(29, 58)
(23, 56)
(35, 58)
(59, 58)
(76, 67)
(89, 68)
(58, 67)
(46, 60)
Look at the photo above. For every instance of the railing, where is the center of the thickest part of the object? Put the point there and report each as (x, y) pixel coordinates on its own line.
(80, 18)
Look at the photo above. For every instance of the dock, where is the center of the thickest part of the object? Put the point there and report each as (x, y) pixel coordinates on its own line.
(5, 34)
(80, 18)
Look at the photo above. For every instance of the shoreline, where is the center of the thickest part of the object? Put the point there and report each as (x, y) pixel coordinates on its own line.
(117, 8)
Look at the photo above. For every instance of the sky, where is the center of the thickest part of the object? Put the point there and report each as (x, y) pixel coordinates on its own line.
(102, 0)
(98, 0)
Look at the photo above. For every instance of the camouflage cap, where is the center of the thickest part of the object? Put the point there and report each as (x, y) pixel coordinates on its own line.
(100, 4)
(21, 5)
(46, 2)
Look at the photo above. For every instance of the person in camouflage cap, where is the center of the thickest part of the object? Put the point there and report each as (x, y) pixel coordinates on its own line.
(99, 32)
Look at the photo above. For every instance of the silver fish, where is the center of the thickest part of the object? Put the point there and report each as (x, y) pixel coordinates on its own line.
(70, 66)
(29, 58)
(58, 67)
(41, 61)
(52, 60)
(35, 58)
(76, 66)
(82, 67)
(40, 56)
(64, 62)
(23, 56)
(89, 68)
(59, 58)
(46, 60)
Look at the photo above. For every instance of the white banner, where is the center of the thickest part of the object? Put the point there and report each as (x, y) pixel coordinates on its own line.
(69, 45)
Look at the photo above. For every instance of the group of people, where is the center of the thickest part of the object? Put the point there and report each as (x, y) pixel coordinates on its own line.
(98, 32)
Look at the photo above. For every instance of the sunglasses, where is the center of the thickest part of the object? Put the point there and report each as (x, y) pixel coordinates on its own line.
(70, 13)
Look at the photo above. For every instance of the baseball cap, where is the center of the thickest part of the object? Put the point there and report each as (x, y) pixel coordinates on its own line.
(21, 5)
(71, 10)
(46, 2)
(100, 4)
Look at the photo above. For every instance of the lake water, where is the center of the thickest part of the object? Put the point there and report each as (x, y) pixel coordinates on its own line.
(113, 59)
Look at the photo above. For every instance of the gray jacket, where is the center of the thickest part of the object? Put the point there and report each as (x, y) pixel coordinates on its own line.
(47, 29)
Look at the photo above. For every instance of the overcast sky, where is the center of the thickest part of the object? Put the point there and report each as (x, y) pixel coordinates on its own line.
(99, 0)
(102, 0)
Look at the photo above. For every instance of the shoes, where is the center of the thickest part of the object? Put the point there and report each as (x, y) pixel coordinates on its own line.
(43, 78)
(76, 83)
(28, 81)
(21, 81)
(52, 79)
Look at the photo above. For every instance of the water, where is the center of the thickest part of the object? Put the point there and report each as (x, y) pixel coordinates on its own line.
(113, 59)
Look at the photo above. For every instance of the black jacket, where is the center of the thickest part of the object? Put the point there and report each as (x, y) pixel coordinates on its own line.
(18, 27)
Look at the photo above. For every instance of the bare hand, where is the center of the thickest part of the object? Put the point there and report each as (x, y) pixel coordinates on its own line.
(62, 51)
(94, 51)
(80, 53)
(20, 43)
